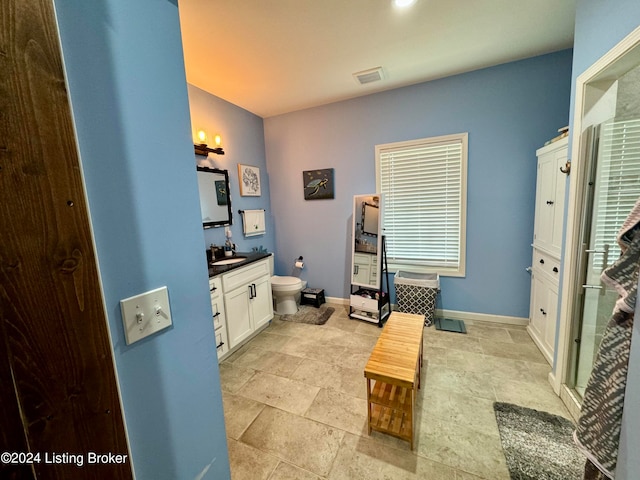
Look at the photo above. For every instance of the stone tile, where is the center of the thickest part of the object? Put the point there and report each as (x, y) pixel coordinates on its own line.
(455, 341)
(325, 375)
(302, 347)
(266, 361)
(367, 328)
(342, 322)
(239, 412)
(528, 353)
(289, 329)
(357, 340)
(465, 383)
(238, 353)
(462, 448)
(539, 372)
(530, 395)
(520, 336)
(460, 475)
(354, 359)
(285, 471)
(280, 392)
(269, 341)
(248, 463)
(499, 334)
(362, 458)
(233, 378)
(464, 410)
(495, 366)
(435, 355)
(339, 410)
(305, 443)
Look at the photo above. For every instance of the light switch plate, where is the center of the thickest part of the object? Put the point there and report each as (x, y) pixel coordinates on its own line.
(145, 314)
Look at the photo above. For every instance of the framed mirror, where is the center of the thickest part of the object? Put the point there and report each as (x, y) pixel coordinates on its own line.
(215, 201)
(367, 240)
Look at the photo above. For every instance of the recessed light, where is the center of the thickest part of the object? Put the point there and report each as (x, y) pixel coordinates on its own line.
(403, 3)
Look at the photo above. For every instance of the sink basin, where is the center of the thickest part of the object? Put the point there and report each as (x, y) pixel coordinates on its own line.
(229, 261)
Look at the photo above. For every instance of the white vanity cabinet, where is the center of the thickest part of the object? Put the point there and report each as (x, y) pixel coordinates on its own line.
(248, 300)
(219, 317)
(547, 245)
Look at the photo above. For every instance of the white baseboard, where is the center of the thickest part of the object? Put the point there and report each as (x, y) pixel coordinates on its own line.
(457, 315)
(481, 317)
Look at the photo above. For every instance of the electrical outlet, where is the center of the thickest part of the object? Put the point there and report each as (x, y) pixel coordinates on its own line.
(145, 314)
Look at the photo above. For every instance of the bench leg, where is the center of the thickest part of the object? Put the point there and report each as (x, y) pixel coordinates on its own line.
(369, 406)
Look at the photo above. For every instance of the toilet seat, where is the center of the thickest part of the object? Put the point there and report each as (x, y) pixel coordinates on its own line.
(282, 284)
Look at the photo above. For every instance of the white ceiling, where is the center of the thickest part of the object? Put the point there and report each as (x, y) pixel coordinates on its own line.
(277, 56)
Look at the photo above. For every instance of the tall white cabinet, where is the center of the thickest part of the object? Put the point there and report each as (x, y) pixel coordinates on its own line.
(547, 246)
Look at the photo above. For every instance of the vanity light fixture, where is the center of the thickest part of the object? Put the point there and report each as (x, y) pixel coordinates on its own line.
(403, 3)
(201, 147)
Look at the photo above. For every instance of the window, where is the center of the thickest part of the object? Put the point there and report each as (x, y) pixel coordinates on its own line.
(424, 187)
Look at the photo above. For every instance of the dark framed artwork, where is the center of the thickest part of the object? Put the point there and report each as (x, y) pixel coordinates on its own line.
(318, 184)
(221, 192)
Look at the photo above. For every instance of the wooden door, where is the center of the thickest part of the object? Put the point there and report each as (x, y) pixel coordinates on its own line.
(57, 381)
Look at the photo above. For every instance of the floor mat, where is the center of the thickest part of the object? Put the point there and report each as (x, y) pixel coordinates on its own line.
(537, 445)
(311, 315)
(448, 325)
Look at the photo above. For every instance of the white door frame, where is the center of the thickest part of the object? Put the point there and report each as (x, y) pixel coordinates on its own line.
(598, 72)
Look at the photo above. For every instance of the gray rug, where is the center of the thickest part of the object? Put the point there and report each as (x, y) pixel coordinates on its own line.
(537, 445)
(311, 315)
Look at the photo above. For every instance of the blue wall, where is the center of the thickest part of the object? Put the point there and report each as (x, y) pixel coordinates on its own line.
(243, 141)
(599, 27)
(509, 111)
(128, 90)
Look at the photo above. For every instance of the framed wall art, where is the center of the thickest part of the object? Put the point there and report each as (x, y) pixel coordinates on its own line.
(249, 178)
(318, 184)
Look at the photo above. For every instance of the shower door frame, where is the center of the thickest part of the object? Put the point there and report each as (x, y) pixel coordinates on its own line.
(604, 70)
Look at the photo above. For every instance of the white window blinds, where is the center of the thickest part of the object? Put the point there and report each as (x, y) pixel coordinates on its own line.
(618, 185)
(423, 183)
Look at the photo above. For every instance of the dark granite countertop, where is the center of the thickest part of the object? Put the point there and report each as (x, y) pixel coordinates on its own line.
(249, 257)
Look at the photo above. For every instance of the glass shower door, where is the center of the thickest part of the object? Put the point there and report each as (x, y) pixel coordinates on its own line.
(612, 188)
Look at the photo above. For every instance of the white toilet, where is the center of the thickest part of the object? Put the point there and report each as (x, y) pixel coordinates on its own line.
(286, 292)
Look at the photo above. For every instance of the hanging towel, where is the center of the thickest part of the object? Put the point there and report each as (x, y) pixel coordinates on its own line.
(598, 431)
(253, 222)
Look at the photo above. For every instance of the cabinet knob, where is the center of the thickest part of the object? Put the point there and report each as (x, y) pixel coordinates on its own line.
(543, 312)
(216, 314)
(549, 202)
(219, 345)
(213, 289)
(542, 261)
(555, 269)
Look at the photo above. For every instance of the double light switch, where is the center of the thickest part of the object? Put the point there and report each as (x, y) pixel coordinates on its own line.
(145, 314)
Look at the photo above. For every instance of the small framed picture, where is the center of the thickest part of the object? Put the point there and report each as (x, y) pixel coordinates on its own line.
(249, 178)
(318, 184)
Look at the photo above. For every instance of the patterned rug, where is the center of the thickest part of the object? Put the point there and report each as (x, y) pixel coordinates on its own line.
(311, 315)
(537, 445)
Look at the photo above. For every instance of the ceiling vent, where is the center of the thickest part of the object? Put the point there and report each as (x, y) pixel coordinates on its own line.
(369, 76)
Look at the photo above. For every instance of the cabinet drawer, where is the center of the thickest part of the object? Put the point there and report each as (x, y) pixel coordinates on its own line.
(363, 303)
(546, 264)
(244, 275)
(215, 286)
(217, 307)
(222, 344)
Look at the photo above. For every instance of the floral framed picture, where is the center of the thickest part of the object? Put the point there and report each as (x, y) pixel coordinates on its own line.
(249, 178)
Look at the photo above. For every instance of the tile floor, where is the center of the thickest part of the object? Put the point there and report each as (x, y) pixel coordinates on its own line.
(295, 403)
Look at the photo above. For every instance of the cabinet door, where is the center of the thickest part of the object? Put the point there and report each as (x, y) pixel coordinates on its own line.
(545, 201)
(262, 302)
(558, 205)
(239, 325)
(544, 305)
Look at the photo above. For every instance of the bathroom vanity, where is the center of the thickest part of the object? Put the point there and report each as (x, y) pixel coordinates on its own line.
(241, 299)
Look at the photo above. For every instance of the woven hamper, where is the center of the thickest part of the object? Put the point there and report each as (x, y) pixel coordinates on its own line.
(416, 293)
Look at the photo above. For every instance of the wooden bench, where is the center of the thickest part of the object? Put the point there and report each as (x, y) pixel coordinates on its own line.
(394, 366)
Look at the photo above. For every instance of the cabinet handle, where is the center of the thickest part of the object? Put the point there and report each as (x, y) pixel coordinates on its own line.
(549, 202)
(355, 269)
(250, 292)
(543, 312)
(555, 269)
(542, 261)
(213, 289)
(216, 314)
(219, 345)
(255, 292)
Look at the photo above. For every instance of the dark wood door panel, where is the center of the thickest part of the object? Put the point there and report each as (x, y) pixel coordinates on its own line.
(56, 357)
